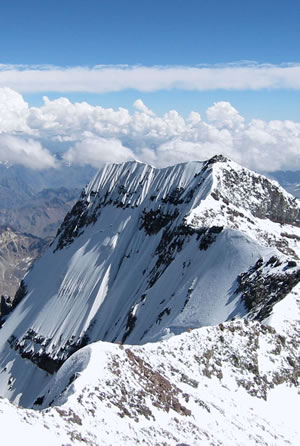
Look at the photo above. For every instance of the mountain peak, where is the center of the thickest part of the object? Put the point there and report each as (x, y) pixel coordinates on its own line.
(217, 189)
(136, 260)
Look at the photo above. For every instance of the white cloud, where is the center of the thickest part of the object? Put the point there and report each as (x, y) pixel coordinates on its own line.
(101, 79)
(271, 146)
(180, 151)
(98, 151)
(28, 152)
(13, 111)
(71, 122)
(140, 106)
(194, 118)
(225, 115)
(94, 135)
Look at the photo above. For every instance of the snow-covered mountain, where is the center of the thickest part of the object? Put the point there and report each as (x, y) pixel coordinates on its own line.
(147, 253)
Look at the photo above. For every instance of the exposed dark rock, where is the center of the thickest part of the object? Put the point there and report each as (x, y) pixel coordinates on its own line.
(73, 223)
(154, 220)
(130, 324)
(209, 236)
(39, 401)
(20, 294)
(164, 394)
(162, 313)
(43, 359)
(290, 236)
(174, 197)
(215, 159)
(5, 305)
(269, 201)
(274, 261)
(260, 290)
(172, 241)
(188, 296)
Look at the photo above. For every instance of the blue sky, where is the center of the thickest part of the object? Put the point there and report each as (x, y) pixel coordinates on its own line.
(163, 81)
(188, 33)
(157, 32)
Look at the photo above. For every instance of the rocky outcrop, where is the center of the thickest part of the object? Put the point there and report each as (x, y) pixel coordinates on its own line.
(264, 198)
(261, 287)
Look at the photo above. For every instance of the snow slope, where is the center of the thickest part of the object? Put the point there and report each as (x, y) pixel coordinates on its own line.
(233, 384)
(148, 253)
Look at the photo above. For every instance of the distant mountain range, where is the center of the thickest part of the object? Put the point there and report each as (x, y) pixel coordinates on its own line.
(17, 253)
(41, 214)
(290, 180)
(23, 182)
(32, 206)
(35, 202)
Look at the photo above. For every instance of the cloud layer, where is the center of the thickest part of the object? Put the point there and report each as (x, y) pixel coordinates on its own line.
(94, 135)
(28, 152)
(101, 79)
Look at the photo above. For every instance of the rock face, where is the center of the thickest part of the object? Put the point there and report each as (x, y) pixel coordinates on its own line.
(147, 253)
(265, 284)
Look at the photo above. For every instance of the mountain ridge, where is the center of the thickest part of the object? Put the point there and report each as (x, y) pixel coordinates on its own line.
(136, 260)
(230, 384)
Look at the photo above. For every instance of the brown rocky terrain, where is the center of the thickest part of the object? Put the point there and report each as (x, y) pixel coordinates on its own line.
(26, 231)
(41, 215)
(17, 253)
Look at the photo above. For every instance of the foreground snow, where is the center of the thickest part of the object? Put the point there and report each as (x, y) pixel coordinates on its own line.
(233, 384)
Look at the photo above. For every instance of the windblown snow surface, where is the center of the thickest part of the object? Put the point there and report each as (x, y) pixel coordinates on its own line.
(154, 255)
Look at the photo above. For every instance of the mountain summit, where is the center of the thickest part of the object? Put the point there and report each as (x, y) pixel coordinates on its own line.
(147, 253)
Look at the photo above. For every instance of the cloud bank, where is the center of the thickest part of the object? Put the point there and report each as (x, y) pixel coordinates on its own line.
(28, 152)
(112, 78)
(95, 135)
